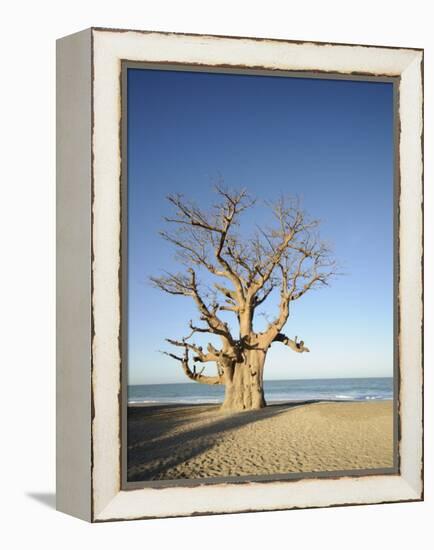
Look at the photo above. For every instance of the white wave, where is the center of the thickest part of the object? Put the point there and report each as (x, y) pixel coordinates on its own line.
(344, 397)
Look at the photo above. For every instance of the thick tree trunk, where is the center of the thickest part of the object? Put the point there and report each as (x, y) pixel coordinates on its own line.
(244, 384)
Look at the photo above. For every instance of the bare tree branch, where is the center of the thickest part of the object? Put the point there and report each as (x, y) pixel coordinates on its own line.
(299, 347)
(192, 374)
(187, 286)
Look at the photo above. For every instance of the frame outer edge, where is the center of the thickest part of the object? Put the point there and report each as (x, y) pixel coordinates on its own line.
(116, 506)
(73, 275)
(411, 274)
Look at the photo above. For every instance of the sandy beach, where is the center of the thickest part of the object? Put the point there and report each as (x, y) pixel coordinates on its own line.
(191, 442)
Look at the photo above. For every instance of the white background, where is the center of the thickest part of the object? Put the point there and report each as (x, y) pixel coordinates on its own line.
(27, 285)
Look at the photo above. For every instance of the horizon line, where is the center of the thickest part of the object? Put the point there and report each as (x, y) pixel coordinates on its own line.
(273, 380)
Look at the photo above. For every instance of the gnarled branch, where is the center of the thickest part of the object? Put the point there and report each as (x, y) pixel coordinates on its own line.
(299, 347)
(192, 374)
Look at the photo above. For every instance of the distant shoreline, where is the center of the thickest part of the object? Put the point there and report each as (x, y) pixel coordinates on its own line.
(198, 441)
(274, 380)
(276, 391)
(277, 380)
(269, 403)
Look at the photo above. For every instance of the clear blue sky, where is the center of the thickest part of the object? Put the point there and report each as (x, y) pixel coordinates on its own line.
(328, 141)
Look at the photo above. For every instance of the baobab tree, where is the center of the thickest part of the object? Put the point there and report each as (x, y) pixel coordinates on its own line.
(288, 257)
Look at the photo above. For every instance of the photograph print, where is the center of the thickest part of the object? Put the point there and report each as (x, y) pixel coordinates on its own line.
(258, 276)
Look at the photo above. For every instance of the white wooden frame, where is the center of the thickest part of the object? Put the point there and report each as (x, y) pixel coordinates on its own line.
(88, 263)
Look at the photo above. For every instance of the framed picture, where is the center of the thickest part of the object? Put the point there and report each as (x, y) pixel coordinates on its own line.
(240, 300)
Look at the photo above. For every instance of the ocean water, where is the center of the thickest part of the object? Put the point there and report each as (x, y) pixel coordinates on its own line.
(338, 389)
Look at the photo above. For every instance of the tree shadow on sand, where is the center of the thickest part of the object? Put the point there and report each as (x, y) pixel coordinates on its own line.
(161, 438)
